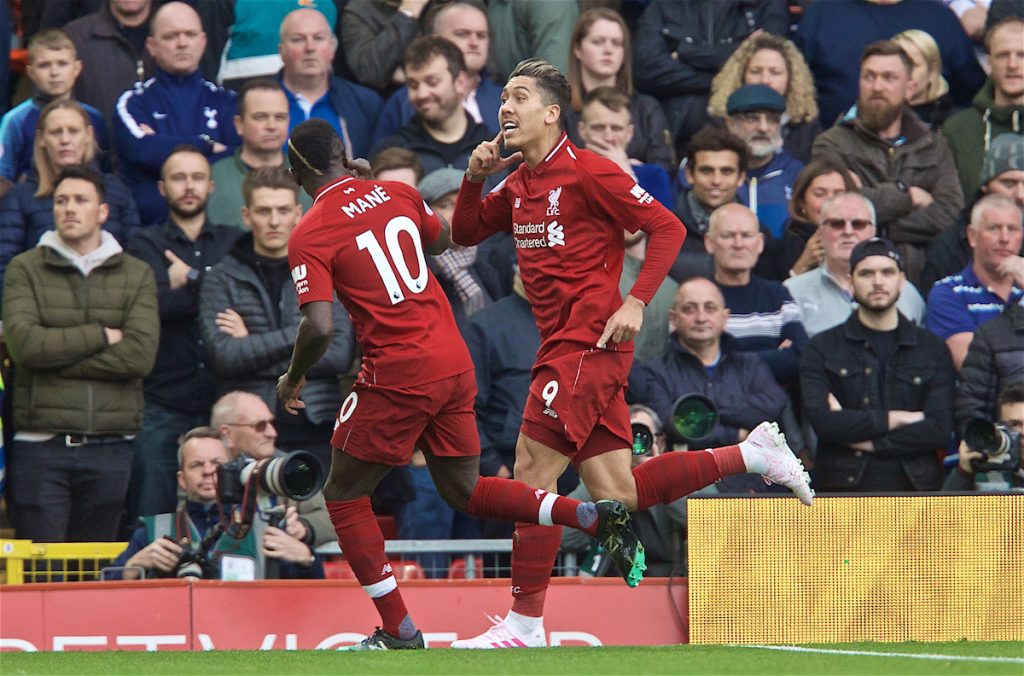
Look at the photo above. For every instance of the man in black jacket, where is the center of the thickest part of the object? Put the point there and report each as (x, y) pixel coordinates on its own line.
(180, 389)
(249, 315)
(877, 389)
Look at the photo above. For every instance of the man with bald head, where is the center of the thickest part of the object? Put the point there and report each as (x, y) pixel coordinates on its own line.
(825, 294)
(176, 106)
(703, 359)
(763, 317)
(307, 50)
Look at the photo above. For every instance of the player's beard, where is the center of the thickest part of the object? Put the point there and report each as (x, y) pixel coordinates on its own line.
(877, 114)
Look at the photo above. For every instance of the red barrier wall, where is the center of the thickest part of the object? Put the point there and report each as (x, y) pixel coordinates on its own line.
(306, 615)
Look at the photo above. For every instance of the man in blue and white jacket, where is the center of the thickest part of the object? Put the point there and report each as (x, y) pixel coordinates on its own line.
(174, 107)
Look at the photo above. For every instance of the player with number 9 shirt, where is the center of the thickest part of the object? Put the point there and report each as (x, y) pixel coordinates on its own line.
(567, 210)
(365, 242)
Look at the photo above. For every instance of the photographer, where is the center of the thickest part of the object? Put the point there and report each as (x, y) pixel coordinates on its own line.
(248, 429)
(967, 477)
(159, 544)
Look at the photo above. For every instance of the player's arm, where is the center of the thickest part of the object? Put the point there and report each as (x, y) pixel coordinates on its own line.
(314, 336)
(443, 240)
(477, 219)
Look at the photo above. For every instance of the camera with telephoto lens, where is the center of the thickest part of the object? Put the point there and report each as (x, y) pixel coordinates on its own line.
(1000, 445)
(694, 418)
(297, 475)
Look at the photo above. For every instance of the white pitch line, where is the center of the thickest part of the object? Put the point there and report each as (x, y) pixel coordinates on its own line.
(926, 656)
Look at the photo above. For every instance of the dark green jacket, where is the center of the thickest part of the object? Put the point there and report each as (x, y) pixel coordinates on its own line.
(69, 379)
(970, 132)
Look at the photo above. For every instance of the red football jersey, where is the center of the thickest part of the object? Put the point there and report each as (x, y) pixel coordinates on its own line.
(363, 240)
(567, 217)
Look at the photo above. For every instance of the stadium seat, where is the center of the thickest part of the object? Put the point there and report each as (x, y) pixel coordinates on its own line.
(408, 570)
(338, 569)
(457, 571)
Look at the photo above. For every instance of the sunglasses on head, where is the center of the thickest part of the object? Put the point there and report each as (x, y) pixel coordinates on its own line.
(841, 223)
(259, 425)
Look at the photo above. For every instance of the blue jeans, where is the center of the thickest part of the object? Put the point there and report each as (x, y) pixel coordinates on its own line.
(154, 485)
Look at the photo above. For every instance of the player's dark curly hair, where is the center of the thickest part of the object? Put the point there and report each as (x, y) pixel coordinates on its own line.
(314, 146)
(554, 88)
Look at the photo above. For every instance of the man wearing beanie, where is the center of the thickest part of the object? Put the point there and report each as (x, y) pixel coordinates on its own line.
(1002, 173)
(998, 107)
(878, 389)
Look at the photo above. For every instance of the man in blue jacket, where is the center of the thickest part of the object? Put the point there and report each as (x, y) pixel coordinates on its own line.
(755, 115)
(174, 107)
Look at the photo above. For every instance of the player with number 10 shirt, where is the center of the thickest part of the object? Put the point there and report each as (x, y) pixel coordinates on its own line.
(366, 241)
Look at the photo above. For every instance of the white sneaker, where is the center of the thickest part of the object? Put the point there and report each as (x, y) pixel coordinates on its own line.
(766, 452)
(504, 635)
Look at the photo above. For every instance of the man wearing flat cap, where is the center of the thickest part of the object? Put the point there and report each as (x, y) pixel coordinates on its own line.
(755, 114)
(878, 389)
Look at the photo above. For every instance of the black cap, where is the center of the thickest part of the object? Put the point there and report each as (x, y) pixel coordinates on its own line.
(754, 98)
(876, 246)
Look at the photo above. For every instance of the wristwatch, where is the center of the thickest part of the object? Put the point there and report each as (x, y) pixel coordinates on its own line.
(192, 277)
(901, 186)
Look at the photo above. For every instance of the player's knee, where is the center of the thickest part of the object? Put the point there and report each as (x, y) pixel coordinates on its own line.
(458, 493)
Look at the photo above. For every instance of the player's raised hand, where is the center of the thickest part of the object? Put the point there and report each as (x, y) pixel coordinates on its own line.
(486, 159)
(624, 324)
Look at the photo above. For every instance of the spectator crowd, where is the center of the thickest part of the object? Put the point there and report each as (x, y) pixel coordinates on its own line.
(850, 174)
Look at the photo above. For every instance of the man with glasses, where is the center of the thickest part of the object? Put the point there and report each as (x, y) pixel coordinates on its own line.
(825, 294)
(250, 429)
(878, 389)
(755, 115)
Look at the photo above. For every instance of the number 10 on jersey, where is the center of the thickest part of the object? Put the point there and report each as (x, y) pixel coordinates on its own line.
(386, 268)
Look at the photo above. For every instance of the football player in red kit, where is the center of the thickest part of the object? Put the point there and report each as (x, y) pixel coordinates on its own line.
(365, 241)
(566, 209)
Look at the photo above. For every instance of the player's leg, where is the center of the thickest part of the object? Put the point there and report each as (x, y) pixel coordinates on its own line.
(451, 447)
(670, 476)
(534, 549)
(347, 494)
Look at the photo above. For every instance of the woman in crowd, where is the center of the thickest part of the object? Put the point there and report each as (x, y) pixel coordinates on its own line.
(931, 101)
(767, 59)
(801, 249)
(64, 136)
(600, 55)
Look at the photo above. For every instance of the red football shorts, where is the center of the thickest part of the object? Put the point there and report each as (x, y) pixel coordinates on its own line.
(577, 404)
(384, 424)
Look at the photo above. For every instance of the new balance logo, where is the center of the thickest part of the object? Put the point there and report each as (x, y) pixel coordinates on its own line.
(539, 493)
(556, 237)
(641, 195)
(299, 278)
(386, 570)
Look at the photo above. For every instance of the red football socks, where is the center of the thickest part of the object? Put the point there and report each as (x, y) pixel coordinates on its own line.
(363, 546)
(534, 549)
(671, 476)
(510, 500)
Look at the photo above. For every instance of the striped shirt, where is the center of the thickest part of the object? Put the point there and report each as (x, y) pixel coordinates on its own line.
(961, 303)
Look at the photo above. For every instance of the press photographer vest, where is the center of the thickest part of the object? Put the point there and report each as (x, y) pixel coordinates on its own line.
(179, 526)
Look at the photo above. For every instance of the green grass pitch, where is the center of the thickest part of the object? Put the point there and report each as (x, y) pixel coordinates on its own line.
(896, 658)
